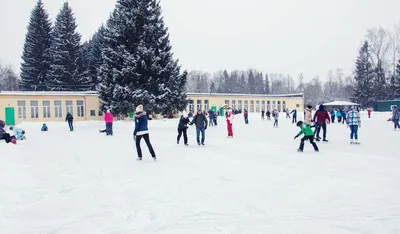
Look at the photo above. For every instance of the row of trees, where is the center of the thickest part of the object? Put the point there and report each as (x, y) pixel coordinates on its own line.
(8, 78)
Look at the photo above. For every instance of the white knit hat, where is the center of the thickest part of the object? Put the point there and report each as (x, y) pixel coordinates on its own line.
(185, 115)
(139, 108)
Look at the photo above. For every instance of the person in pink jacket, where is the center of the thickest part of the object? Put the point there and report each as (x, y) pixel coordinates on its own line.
(109, 119)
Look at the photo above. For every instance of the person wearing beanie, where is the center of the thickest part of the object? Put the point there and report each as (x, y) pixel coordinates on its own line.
(4, 135)
(142, 131)
(354, 123)
(201, 126)
(321, 118)
(308, 135)
(44, 128)
(182, 128)
(229, 120)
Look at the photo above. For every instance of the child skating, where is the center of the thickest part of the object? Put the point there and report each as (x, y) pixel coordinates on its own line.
(353, 122)
(308, 135)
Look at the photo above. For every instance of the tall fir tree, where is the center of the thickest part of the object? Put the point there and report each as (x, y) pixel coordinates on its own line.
(95, 59)
(35, 57)
(138, 65)
(397, 82)
(364, 78)
(65, 51)
(267, 88)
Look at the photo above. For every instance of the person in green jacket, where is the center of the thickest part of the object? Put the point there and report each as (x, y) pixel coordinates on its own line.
(308, 135)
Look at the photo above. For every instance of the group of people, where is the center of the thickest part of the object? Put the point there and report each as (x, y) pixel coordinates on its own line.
(19, 134)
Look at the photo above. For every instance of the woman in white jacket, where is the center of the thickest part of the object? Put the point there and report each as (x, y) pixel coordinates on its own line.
(308, 117)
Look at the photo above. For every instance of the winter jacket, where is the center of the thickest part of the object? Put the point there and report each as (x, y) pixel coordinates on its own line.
(108, 117)
(306, 130)
(369, 111)
(294, 112)
(211, 115)
(275, 114)
(308, 118)
(353, 118)
(44, 128)
(395, 114)
(141, 123)
(18, 133)
(183, 122)
(69, 117)
(200, 121)
(229, 117)
(245, 114)
(321, 115)
(339, 114)
(2, 131)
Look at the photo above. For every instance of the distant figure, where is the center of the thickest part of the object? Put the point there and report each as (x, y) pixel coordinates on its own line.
(211, 117)
(294, 112)
(339, 116)
(395, 117)
(109, 118)
(333, 114)
(369, 113)
(275, 115)
(262, 114)
(70, 119)
(246, 116)
(268, 115)
(229, 121)
(182, 128)
(44, 128)
(5, 136)
(142, 131)
(287, 113)
(18, 133)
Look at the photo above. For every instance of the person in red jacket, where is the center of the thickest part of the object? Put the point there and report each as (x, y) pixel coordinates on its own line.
(321, 118)
(109, 119)
(229, 120)
(369, 113)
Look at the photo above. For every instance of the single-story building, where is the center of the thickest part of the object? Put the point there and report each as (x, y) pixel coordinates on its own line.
(35, 106)
(383, 106)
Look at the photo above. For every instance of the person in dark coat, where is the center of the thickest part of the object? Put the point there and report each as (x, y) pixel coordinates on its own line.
(182, 128)
(262, 114)
(211, 117)
(142, 131)
(6, 136)
(321, 118)
(268, 115)
(294, 112)
(201, 125)
(246, 116)
(70, 119)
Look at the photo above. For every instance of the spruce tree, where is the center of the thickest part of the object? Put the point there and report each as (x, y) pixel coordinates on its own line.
(267, 88)
(397, 82)
(35, 57)
(138, 67)
(95, 46)
(65, 51)
(364, 77)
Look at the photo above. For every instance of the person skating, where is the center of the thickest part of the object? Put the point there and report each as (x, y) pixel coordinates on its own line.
(6, 136)
(211, 118)
(339, 116)
(275, 115)
(294, 116)
(246, 116)
(268, 115)
(142, 131)
(333, 115)
(353, 122)
(109, 119)
(262, 114)
(369, 113)
(321, 117)
(344, 116)
(44, 128)
(18, 133)
(287, 113)
(229, 121)
(201, 126)
(182, 128)
(308, 115)
(70, 119)
(395, 117)
(308, 135)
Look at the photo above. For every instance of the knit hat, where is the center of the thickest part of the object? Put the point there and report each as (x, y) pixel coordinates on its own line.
(139, 108)
(185, 115)
(299, 123)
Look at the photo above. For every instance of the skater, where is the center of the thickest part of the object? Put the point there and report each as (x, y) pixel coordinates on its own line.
(339, 116)
(369, 113)
(308, 135)
(109, 118)
(182, 128)
(5, 136)
(211, 118)
(333, 115)
(246, 116)
(308, 115)
(353, 122)
(142, 131)
(268, 115)
(344, 117)
(287, 113)
(395, 117)
(262, 115)
(322, 118)
(44, 128)
(229, 121)
(294, 116)
(18, 133)
(70, 120)
(275, 114)
(201, 126)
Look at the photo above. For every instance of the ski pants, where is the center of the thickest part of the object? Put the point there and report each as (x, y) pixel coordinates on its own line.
(333, 118)
(318, 127)
(71, 125)
(211, 122)
(109, 129)
(184, 131)
(7, 137)
(396, 124)
(354, 132)
(276, 122)
(147, 140)
(246, 120)
(203, 135)
(230, 131)
(311, 139)
(294, 120)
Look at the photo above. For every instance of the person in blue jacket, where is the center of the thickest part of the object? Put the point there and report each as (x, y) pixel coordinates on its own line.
(44, 128)
(142, 131)
(294, 119)
(18, 133)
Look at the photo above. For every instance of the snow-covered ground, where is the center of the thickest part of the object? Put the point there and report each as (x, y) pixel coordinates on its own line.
(84, 182)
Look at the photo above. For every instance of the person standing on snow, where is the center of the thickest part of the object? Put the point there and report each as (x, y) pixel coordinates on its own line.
(109, 118)
(229, 121)
(201, 126)
(262, 115)
(70, 120)
(395, 117)
(182, 128)
(308, 135)
(308, 115)
(211, 118)
(268, 115)
(339, 116)
(333, 115)
(321, 117)
(294, 112)
(369, 113)
(354, 123)
(246, 116)
(275, 114)
(142, 131)
(287, 113)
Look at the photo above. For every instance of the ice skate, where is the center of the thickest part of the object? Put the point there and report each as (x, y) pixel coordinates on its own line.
(139, 159)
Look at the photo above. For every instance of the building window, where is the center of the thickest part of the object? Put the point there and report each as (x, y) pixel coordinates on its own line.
(297, 105)
(251, 106)
(199, 105)
(80, 108)
(284, 105)
(240, 105)
(279, 105)
(34, 109)
(206, 105)
(233, 104)
(191, 106)
(46, 109)
(100, 113)
(57, 109)
(246, 105)
(21, 109)
(274, 104)
(227, 102)
(69, 107)
(257, 106)
(92, 113)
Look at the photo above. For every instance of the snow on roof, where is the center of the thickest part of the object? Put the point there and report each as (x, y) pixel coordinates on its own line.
(47, 93)
(299, 95)
(340, 103)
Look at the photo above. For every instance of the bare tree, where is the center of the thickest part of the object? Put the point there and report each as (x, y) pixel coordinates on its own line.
(380, 41)
(8, 78)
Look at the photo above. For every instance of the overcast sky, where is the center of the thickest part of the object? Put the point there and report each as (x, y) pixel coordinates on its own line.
(280, 36)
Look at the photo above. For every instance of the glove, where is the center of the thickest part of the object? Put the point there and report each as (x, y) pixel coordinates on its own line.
(296, 137)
